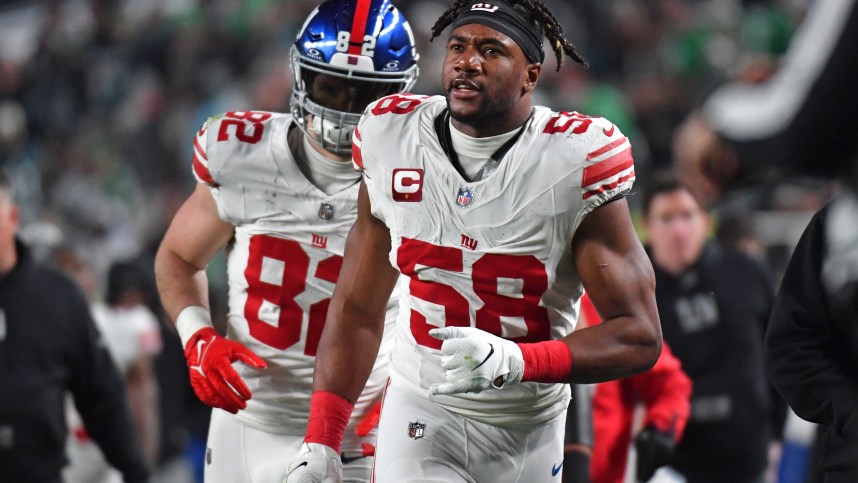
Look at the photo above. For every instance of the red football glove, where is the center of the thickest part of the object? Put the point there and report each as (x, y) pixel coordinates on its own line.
(210, 358)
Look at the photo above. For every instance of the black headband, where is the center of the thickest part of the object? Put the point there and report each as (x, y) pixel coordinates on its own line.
(502, 17)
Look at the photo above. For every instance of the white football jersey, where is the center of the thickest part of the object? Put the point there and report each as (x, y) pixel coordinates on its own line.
(282, 263)
(493, 254)
(129, 334)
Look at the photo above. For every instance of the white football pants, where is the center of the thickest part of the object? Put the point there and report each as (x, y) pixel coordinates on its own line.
(236, 453)
(419, 441)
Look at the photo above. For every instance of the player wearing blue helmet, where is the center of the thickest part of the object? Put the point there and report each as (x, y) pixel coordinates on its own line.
(343, 59)
(279, 192)
(492, 215)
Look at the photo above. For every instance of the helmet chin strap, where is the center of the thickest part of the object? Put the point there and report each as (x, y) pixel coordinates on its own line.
(332, 134)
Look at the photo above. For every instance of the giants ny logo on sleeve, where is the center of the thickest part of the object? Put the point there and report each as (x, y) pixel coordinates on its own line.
(407, 185)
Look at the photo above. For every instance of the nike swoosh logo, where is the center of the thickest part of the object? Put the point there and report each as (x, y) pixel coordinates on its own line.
(491, 351)
(556, 469)
(348, 459)
(303, 463)
(200, 355)
(609, 132)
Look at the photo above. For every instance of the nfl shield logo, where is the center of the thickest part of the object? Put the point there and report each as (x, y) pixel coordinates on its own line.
(208, 456)
(465, 197)
(326, 211)
(415, 430)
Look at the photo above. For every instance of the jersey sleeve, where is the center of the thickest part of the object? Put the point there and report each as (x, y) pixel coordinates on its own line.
(200, 158)
(203, 169)
(370, 126)
(357, 154)
(362, 158)
(609, 169)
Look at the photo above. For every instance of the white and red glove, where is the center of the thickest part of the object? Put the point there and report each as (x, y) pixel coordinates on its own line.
(316, 463)
(475, 360)
(210, 357)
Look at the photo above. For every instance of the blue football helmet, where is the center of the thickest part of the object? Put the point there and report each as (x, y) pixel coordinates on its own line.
(348, 54)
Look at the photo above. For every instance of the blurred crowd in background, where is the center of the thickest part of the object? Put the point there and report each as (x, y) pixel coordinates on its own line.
(100, 99)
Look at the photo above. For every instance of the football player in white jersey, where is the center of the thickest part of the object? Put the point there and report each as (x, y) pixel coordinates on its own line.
(279, 192)
(491, 216)
(130, 332)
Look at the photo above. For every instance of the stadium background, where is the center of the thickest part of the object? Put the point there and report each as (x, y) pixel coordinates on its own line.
(99, 101)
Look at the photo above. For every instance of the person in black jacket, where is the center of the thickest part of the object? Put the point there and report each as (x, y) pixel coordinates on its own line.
(812, 340)
(713, 303)
(49, 346)
(803, 121)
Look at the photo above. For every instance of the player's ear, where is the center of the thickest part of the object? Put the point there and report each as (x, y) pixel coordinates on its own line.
(531, 77)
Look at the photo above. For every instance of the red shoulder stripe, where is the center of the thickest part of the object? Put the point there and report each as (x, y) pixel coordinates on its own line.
(608, 167)
(604, 149)
(202, 171)
(603, 188)
(199, 148)
(357, 158)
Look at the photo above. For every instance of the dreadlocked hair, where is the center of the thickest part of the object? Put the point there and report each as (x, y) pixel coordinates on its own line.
(535, 10)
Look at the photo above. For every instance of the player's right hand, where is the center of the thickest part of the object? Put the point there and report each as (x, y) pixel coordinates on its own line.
(210, 358)
(316, 463)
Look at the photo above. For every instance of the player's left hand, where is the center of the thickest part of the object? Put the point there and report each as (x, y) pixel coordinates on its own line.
(476, 360)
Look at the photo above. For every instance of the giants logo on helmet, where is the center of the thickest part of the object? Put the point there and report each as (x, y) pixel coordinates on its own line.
(407, 185)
